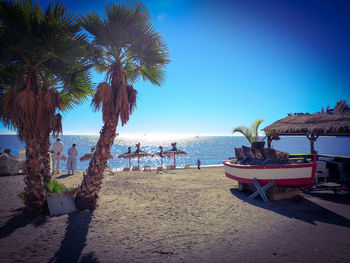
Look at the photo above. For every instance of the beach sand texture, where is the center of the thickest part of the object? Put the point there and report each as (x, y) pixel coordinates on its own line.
(184, 215)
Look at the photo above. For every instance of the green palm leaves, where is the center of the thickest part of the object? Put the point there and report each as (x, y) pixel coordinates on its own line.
(251, 133)
(128, 49)
(43, 65)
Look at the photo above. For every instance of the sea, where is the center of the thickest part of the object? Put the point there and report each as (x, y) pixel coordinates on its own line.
(211, 150)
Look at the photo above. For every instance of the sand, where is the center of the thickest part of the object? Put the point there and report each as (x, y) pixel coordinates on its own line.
(186, 215)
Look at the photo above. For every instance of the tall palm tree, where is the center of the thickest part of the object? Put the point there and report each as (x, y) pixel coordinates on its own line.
(251, 133)
(43, 70)
(130, 49)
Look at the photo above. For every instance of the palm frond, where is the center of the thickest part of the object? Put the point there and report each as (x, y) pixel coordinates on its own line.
(155, 74)
(103, 95)
(255, 126)
(246, 132)
(251, 133)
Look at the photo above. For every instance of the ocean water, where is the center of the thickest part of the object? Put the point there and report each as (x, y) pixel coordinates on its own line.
(211, 150)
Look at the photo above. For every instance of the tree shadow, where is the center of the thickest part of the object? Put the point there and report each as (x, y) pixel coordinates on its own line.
(20, 220)
(63, 176)
(75, 239)
(89, 258)
(299, 208)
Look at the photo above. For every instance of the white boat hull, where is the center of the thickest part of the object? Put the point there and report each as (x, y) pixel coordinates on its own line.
(289, 175)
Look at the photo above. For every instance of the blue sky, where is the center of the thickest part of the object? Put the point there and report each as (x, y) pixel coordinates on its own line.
(233, 62)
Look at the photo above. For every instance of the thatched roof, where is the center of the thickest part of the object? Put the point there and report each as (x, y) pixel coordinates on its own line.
(174, 150)
(332, 122)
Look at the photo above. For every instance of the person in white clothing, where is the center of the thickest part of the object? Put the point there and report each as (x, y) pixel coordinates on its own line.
(72, 158)
(57, 153)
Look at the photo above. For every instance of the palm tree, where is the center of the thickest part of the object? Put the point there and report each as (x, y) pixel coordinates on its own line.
(130, 49)
(43, 70)
(251, 133)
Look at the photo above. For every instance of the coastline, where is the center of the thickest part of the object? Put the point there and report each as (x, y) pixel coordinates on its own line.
(182, 215)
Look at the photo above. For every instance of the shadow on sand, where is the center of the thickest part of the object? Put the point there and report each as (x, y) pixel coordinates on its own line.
(64, 176)
(75, 240)
(20, 220)
(299, 208)
(328, 194)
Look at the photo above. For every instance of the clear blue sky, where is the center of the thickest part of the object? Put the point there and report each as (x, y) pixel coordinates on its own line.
(233, 62)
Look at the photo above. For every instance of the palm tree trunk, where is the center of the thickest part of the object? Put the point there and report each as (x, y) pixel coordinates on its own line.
(87, 195)
(35, 192)
(45, 157)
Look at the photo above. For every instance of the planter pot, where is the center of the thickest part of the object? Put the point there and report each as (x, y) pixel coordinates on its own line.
(61, 203)
(259, 145)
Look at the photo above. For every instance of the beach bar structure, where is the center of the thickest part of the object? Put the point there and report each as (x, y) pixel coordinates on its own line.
(329, 122)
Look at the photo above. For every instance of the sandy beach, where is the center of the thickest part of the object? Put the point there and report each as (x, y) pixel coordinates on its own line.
(184, 215)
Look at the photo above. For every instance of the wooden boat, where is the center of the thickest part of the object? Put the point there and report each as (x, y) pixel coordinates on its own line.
(289, 175)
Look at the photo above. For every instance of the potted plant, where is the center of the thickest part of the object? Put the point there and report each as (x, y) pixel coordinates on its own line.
(251, 133)
(60, 199)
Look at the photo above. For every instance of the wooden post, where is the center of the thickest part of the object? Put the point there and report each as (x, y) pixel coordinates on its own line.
(269, 141)
(312, 138)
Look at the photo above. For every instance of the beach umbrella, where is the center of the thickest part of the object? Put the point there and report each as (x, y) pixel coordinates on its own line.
(139, 154)
(161, 154)
(89, 155)
(127, 155)
(174, 151)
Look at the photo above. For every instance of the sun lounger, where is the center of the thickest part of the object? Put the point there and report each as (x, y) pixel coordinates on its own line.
(187, 166)
(126, 169)
(136, 168)
(147, 168)
(170, 167)
(159, 168)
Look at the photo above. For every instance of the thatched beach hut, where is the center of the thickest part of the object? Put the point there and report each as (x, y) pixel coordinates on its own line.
(139, 154)
(127, 155)
(329, 122)
(173, 152)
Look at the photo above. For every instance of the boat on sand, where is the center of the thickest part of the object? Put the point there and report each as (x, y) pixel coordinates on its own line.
(294, 175)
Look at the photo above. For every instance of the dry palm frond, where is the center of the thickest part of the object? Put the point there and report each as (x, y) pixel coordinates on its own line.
(52, 101)
(56, 124)
(8, 108)
(132, 95)
(104, 98)
(26, 101)
(103, 95)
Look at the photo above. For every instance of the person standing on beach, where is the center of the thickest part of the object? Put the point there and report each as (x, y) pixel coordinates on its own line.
(72, 158)
(56, 158)
(199, 164)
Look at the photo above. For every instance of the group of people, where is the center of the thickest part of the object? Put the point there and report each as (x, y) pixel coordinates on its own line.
(57, 150)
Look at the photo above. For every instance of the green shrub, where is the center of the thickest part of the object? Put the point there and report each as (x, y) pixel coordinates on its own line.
(55, 187)
(21, 195)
